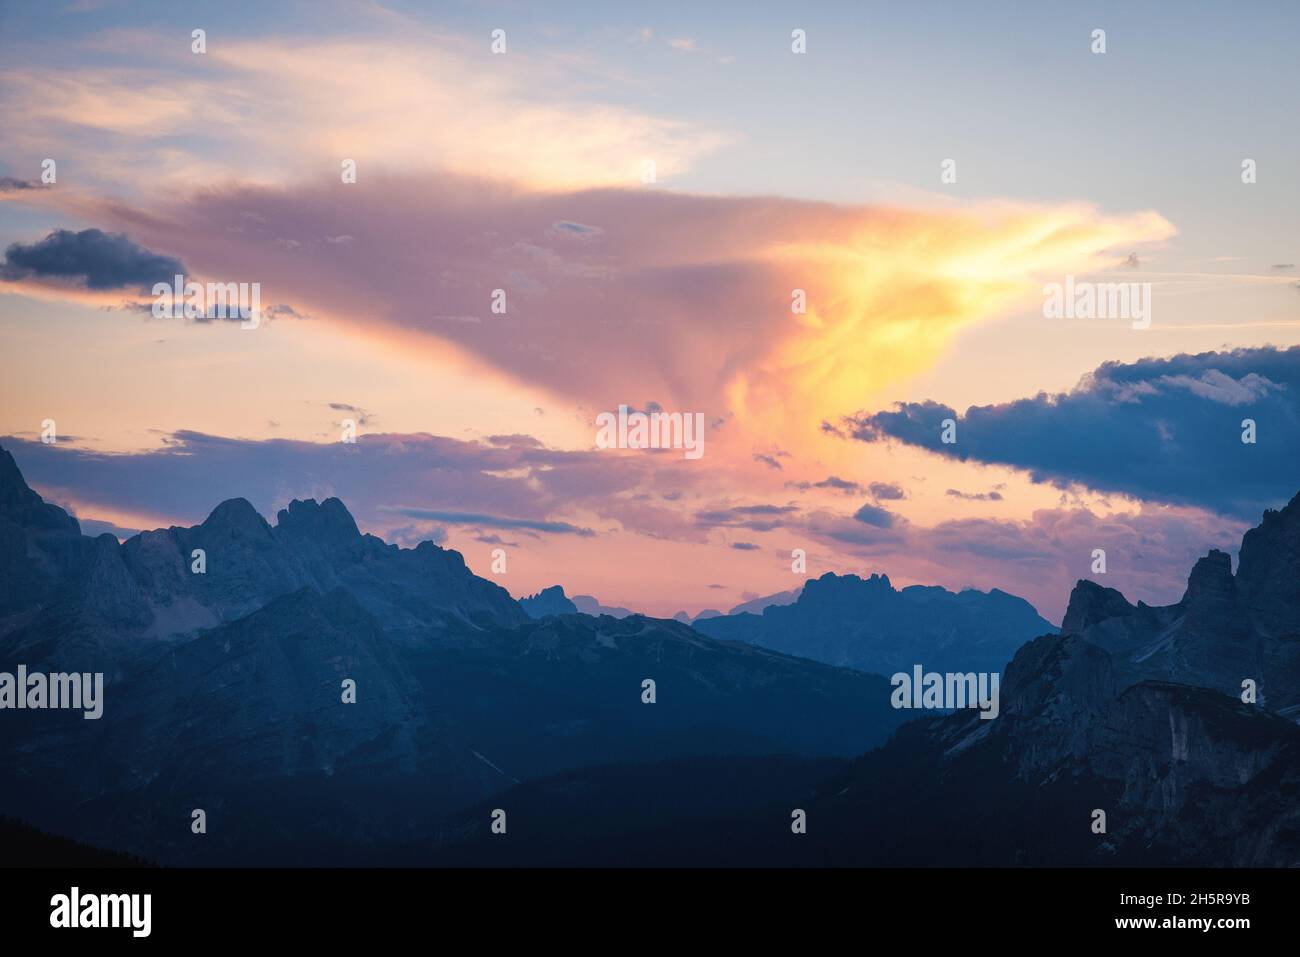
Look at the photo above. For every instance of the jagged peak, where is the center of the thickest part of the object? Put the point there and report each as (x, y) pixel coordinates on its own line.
(548, 601)
(1091, 603)
(552, 591)
(1211, 575)
(11, 477)
(833, 586)
(24, 506)
(329, 520)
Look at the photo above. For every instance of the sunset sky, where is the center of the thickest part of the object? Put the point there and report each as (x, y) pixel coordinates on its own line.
(774, 171)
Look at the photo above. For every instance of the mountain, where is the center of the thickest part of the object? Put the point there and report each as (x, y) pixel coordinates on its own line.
(224, 689)
(866, 623)
(755, 606)
(553, 601)
(1106, 716)
(548, 601)
(1226, 629)
(626, 740)
(68, 599)
(588, 605)
(1185, 776)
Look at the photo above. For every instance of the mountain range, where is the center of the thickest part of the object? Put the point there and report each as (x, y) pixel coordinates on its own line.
(225, 647)
(223, 686)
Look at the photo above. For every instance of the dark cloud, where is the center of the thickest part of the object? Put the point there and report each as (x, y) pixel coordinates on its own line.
(92, 258)
(11, 184)
(768, 460)
(831, 482)
(875, 515)
(495, 540)
(483, 520)
(515, 440)
(1166, 430)
(993, 496)
(363, 417)
(887, 491)
(282, 311)
(756, 518)
(745, 546)
(564, 227)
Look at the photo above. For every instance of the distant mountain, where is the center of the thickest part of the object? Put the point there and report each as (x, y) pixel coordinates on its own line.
(548, 601)
(590, 606)
(866, 623)
(755, 606)
(553, 601)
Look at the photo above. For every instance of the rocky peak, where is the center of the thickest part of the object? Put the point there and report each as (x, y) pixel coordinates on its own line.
(1091, 604)
(24, 507)
(107, 590)
(1211, 597)
(329, 523)
(548, 601)
(1268, 572)
(832, 589)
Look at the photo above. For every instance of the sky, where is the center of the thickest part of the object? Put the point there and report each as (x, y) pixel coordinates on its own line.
(527, 171)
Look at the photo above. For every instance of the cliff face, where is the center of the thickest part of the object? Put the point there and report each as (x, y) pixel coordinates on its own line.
(1225, 630)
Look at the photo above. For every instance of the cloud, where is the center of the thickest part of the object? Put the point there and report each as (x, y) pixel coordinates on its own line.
(515, 440)
(874, 515)
(993, 496)
(579, 230)
(493, 521)
(362, 416)
(1164, 430)
(11, 184)
(91, 259)
(461, 482)
(691, 284)
(745, 547)
(832, 483)
(271, 106)
(756, 518)
(887, 491)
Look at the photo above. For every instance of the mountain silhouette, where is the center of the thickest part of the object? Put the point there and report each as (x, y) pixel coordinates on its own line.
(1094, 719)
(866, 623)
(627, 740)
(224, 686)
